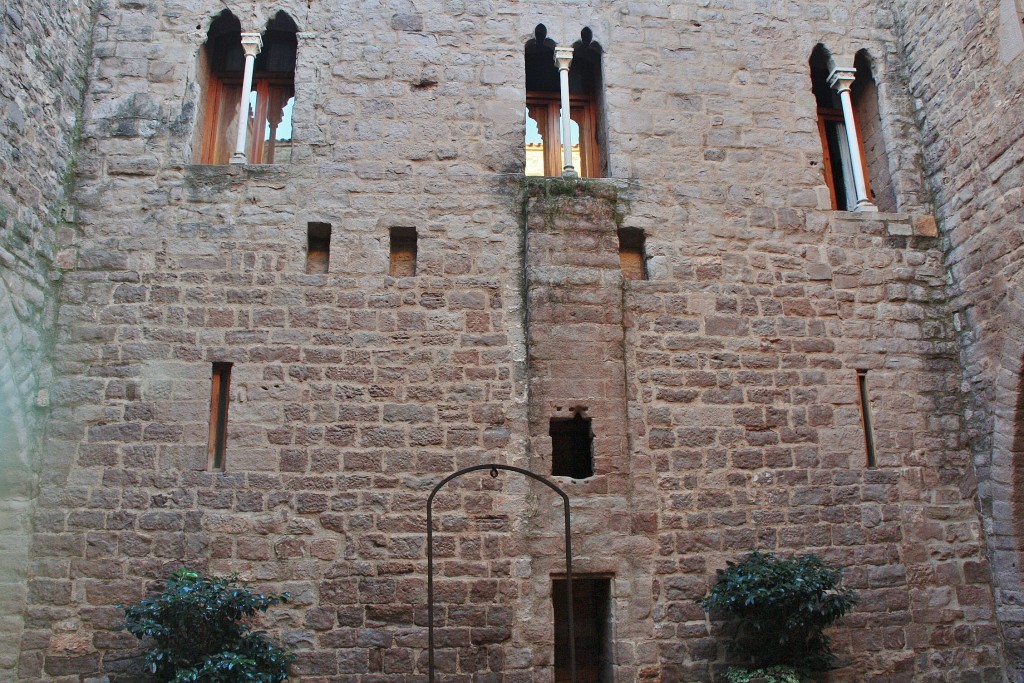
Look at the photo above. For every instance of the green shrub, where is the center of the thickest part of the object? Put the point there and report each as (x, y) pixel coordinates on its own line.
(778, 609)
(771, 674)
(200, 635)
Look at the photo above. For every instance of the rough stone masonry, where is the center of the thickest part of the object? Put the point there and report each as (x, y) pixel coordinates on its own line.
(41, 93)
(722, 391)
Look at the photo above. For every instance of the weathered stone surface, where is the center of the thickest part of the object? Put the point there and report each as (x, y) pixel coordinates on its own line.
(723, 390)
(973, 160)
(43, 58)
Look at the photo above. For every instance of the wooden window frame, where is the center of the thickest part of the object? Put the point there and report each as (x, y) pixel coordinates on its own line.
(836, 115)
(211, 122)
(582, 110)
(864, 402)
(255, 144)
(220, 399)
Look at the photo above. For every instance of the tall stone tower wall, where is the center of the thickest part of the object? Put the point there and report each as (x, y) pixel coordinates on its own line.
(964, 62)
(43, 57)
(722, 391)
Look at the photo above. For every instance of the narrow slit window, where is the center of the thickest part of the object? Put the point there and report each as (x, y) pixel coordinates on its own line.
(591, 600)
(865, 417)
(318, 248)
(403, 252)
(220, 391)
(632, 254)
(572, 447)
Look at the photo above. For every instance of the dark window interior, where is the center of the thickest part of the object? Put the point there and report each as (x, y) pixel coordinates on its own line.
(865, 417)
(318, 250)
(572, 447)
(632, 254)
(403, 252)
(276, 57)
(591, 598)
(220, 391)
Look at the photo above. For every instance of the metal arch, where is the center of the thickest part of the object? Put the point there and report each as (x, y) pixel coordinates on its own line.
(430, 557)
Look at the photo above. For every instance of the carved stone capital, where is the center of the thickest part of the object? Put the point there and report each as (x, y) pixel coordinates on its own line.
(563, 58)
(252, 43)
(841, 79)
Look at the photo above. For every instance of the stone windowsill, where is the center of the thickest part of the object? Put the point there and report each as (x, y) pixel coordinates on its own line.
(896, 224)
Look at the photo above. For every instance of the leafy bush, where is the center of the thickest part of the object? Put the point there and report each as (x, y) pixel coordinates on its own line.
(778, 609)
(199, 633)
(771, 674)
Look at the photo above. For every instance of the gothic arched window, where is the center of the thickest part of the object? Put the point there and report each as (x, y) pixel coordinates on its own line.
(268, 116)
(544, 155)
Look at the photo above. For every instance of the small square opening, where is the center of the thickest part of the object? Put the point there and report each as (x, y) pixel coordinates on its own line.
(318, 248)
(572, 447)
(591, 600)
(632, 255)
(403, 252)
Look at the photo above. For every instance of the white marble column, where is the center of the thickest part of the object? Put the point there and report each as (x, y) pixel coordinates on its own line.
(252, 43)
(563, 58)
(840, 80)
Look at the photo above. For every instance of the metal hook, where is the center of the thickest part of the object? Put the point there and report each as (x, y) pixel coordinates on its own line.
(494, 473)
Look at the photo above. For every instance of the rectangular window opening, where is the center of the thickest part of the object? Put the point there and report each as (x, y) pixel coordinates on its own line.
(318, 249)
(543, 124)
(266, 116)
(838, 164)
(220, 391)
(838, 161)
(572, 447)
(592, 613)
(865, 417)
(403, 252)
(632, 254)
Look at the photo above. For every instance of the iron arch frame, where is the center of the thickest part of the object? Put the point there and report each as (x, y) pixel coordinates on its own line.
(493, 469)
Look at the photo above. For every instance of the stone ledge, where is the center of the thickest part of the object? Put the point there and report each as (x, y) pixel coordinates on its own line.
(895, 224)
(233, 169)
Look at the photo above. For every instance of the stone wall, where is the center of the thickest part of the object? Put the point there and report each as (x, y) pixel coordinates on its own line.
(964, 63)
(725, 384)
(745, 371)
(43, 52)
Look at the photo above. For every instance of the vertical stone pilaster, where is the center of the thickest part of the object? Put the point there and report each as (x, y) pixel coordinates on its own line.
(576, 364)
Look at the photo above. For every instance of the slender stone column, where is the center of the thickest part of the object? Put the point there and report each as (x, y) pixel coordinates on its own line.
(841, 79)
(563, 58)
(252, 43)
